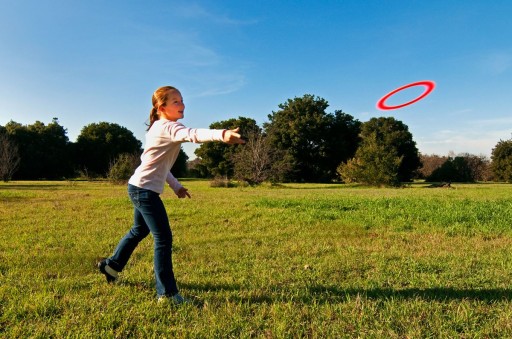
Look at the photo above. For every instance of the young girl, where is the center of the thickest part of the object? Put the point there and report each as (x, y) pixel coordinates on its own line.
(163, 141)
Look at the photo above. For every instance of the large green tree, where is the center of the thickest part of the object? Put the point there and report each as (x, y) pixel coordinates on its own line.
(9, 156)
(179, 169)
(374, 164)
(316, 141)
(395, 135)
(387, 154)
(99, 144)
(217, 157)
(44, 150)
(502, 160)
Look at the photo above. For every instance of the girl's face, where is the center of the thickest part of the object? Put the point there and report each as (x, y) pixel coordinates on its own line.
(174, 107)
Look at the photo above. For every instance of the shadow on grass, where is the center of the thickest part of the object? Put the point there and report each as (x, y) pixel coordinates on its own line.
(435, 293)
(211, 287)
(13, 199)
(38, 187)
(320, 186)
(325, 295)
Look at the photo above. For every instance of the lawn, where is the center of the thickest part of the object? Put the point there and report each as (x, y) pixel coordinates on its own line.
(297, 260)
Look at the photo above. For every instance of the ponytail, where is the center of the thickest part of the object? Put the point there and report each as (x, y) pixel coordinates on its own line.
(159, 99)
(153, 116)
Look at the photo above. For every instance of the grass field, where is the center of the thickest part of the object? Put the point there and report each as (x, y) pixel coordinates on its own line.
(276, 262)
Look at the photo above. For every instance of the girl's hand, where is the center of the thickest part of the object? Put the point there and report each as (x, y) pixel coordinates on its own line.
(182, 193)
(231, 136)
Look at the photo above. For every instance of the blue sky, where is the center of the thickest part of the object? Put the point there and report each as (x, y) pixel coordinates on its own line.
(92, 61)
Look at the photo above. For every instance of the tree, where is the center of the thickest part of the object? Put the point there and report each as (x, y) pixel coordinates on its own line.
(394, 135)
(179, 169)
(9, 156)
(374, 164)
(258, 161)
(455, 169)
(44, 150)
(480, 167)
(196, 170)
(502, 160)
(429, 163)
(315, 140)
(464, 167)
(387, 154)
(217, 157)
(101, 143)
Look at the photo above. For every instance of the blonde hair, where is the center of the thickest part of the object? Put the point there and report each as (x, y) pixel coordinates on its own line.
(159, 99)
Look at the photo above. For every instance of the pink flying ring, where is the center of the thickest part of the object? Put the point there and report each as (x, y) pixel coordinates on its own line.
(429, 87)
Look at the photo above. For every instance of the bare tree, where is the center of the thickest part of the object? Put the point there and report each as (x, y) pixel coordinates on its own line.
(480, 166)
(9, 157)
(430, 163)
(257, 161)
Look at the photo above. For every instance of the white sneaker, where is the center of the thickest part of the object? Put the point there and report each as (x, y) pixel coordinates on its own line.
(176, 299)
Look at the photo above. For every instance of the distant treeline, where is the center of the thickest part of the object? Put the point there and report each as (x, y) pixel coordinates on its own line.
(301, 142)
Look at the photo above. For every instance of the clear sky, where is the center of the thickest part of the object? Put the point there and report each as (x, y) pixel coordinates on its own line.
(97, 60)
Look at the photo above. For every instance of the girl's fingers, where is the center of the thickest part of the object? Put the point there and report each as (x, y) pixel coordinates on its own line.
(233, 137)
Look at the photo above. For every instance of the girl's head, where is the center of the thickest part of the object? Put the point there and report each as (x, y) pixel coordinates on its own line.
(167, 104)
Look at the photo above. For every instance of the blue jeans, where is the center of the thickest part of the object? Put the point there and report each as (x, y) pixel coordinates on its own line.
(149, 216)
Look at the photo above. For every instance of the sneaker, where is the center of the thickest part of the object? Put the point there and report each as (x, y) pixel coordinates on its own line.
(108, 271)
(176, 299)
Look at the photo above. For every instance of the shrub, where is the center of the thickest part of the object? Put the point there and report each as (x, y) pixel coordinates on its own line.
(221, 182)
(375, 164)
(123, 167)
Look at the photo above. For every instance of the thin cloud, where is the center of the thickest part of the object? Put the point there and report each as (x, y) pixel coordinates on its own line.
(462, 111)
(217, 84)
(475, 140)
(497, 63)
(180, 48)
(201, 68)
(195, 11)
(499, 122)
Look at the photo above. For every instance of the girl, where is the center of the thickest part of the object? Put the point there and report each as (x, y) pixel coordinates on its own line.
(163, 141)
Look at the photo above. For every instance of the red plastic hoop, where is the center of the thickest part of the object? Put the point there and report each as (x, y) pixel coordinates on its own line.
(429, 88)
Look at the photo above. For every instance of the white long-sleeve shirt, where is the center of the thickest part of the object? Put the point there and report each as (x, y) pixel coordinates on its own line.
(163, 142)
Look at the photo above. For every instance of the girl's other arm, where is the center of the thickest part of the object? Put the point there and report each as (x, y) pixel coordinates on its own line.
(178, 189)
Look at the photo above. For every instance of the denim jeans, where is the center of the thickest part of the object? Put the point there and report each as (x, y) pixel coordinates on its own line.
(149, 216)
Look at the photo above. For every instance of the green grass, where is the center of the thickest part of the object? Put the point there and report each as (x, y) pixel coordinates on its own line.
(290, 261)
